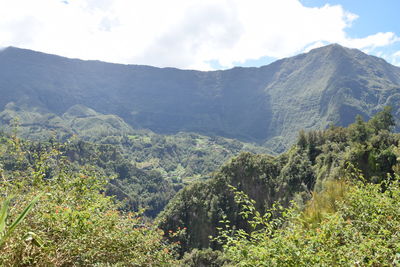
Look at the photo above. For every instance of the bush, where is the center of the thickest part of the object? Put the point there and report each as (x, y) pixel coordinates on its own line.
(203, 258)
(77, 224)
(362, 230)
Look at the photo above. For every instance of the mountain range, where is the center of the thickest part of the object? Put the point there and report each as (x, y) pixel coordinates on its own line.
(266, 105)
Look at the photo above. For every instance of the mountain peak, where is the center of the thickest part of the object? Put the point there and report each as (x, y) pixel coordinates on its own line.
(336, 49)
(4, 49)
(13, 48)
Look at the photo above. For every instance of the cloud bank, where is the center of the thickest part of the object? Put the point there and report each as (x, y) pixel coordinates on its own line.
(178, 33)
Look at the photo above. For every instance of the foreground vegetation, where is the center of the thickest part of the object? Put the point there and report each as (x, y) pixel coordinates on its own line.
(359, 228)
(72, 223)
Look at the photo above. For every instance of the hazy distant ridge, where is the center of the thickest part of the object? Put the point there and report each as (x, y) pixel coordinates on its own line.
(267, 104)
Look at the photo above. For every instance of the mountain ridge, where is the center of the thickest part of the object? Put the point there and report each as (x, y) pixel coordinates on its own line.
(266, 104)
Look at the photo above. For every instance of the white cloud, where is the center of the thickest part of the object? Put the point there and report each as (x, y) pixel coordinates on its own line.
(395, 58)
(178, 33)
(368, 43)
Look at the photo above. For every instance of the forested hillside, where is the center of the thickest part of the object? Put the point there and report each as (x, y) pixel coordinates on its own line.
(148, 168)
(318, 160)
(178, 157)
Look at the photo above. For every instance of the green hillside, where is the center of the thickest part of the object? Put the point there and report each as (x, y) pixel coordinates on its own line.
(180, 156)
(319, 156)
(149, 168)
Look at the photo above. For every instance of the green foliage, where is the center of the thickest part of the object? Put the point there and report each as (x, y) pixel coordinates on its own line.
(74, 223)
(148, 175)
(149, 168)
(178, 157)
(369, 146)
(200, 207)
(5, 233)
(203, 258)
(310, 169)
(382, 120)
(358, 131)
(361, 230)
(324, 203)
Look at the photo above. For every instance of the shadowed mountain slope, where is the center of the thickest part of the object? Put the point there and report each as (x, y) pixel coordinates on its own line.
(268, 104)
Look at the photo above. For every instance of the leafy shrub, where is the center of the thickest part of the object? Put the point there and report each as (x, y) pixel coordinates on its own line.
(363, 230)
(77, 224)
(203, 258)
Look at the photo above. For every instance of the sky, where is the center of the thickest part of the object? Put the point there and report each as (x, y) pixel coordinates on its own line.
(199, 34)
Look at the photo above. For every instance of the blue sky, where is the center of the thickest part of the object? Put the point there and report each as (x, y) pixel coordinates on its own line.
(373, 16)
(199, 34)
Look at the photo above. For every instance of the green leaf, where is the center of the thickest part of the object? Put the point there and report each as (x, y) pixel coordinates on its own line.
(11, 229)
(34, 238)
(3, 215)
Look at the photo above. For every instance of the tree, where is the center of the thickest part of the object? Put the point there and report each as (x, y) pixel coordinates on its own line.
(302, 139)
(358, 131)
(383, 120)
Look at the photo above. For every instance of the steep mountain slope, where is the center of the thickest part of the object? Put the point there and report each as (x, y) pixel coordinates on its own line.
(329, 85)
(267, 104)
